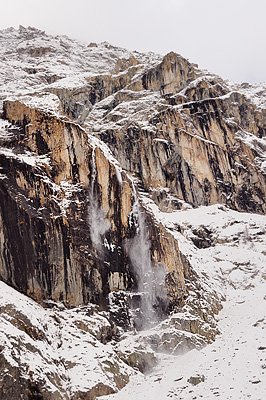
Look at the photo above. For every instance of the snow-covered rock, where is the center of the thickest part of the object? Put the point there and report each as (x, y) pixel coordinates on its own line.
(129, 187)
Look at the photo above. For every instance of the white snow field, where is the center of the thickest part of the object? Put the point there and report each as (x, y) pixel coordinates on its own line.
(234, 365)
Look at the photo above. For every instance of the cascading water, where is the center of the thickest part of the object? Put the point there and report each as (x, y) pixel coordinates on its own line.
(97, 221)
(151, 280)
(150, 295)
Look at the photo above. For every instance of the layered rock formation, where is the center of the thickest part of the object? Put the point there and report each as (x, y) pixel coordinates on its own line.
(201, 143)
(94, 146)
(70, 227)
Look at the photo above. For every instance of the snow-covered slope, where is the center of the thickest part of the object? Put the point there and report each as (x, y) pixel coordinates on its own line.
(69, 351)
(233, 367)
(31, 61)
(234, 261)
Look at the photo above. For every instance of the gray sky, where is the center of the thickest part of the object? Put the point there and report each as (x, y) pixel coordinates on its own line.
(225, 36)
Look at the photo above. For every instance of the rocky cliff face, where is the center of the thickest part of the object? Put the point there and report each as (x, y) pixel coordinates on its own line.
(70, 227)
(201, 140)
(94, 147)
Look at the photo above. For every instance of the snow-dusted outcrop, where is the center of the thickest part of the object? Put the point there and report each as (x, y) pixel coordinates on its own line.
(56, 353)
(112, 166)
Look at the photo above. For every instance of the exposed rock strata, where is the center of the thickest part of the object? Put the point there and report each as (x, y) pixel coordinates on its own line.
(47, 246)
(194, 145)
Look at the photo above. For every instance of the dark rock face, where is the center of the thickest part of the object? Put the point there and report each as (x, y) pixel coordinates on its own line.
(170, 76)
(8, 390)
(195, 380)
(59, 240)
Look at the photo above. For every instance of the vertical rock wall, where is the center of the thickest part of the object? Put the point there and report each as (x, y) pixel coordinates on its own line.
(50, 217)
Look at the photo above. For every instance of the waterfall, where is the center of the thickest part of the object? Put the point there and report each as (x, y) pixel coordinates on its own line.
(150, 279)
(97, 221)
